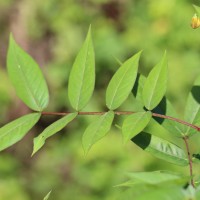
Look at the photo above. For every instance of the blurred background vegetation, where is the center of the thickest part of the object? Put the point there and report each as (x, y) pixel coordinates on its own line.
(52, 32)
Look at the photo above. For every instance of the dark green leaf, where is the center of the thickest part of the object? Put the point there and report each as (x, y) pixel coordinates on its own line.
(134, 124)
(17, 129)
(39, 141)
(161, 148)
(122, 82)
(155, 84)
(27, 78)
(82, 75)
(97, 130)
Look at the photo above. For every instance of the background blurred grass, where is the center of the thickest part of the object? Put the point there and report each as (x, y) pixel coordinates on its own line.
(52, 32)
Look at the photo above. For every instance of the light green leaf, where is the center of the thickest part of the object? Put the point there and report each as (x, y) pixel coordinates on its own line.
(192, 110)
(155, 178)
(166, 108)
(197, 9)
(82, 75)
(17, 129)
(97, 130)
(155, 84)
(27, 78)
(47, 196)
(161, 148)
(134, 124)
(122, 82)
(39, 141)
(164, 193)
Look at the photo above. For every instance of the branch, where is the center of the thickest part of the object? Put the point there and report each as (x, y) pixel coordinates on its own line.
(126, 113)
(189, 159)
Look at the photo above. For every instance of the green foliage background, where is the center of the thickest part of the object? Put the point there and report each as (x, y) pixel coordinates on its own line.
(52, 32)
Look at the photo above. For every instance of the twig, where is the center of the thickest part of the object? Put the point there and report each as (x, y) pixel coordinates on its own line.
(126, 113)
(189, 159)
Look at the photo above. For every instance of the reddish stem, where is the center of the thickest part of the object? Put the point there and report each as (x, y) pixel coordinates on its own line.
(189, 159)
(126, 113)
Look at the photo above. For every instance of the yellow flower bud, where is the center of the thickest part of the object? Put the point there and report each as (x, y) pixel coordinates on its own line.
(195, 21)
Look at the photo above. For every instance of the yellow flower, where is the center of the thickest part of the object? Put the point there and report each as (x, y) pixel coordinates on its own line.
(195, 21)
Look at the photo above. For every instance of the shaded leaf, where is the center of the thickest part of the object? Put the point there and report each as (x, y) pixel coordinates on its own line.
(55, 127)
(192, 110)
(17, 129)
(161, 148)
(156, 84)
(26, 78)
(122, 82)
(134, 124)
(82, 75)
(97, 130)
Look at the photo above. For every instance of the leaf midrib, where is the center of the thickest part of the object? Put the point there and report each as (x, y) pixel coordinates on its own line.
(28, 86)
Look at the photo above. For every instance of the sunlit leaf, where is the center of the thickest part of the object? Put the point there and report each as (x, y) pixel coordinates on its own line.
(17, 129)
(47, 196)
(192, 110)
(155, 84)
(27, 78)
(164, 193)
(166, 108)
(161, 148)
(52, 129)
(197, 9)
(155, 178)
(134, 124)
(82, 75)
(97, 130)
(122, 82)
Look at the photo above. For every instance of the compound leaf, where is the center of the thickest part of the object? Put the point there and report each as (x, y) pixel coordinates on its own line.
(26, 77)
(161, 148)
(122, 82)
(97, 130)
(39, 141)
(17, 129)
(156, 84)
(134, 124)
(82, 75)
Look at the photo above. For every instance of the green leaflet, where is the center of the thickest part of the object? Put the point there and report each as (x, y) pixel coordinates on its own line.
(166, 108)
(26, 78)
(122, 82)
(39, 141)
(82, 75)
(47, 196)
(134, 124)
(161, 148)
(192, 110)
(97, 130)
(155, 178)
(17, 129)
(155, 84)
(164, 193)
